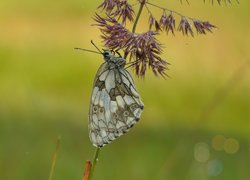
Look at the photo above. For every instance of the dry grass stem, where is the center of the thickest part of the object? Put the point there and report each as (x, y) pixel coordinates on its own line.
(87, 170)
(54, 158)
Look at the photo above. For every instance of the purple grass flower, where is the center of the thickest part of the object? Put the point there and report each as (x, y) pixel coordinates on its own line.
(143, 48)
(185, 27)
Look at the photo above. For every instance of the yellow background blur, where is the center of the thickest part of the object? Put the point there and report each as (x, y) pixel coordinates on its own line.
(195, 126)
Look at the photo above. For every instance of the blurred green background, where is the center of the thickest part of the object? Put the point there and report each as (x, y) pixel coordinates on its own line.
(195, 126)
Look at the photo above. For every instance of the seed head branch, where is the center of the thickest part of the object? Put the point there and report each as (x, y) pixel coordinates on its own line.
(220, 1)
(167, 22)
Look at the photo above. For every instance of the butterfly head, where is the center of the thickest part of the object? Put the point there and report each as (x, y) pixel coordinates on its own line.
(107, 55)
(110, 58)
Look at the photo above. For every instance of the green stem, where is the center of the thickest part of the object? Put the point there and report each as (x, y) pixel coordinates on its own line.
(52, 169)
(94, 161)
(138, 15)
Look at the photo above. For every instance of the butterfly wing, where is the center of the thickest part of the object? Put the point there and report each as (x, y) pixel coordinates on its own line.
(115, 105)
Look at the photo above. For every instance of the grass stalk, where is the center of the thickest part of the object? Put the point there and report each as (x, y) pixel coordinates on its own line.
(87, 170)
(90, 166)
(52, 169)
(142, 3)
(94, 161)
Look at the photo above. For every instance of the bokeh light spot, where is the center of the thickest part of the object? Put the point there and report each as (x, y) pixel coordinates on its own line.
(218, 142)
(201, 152)
(214, 167)
(231, 146)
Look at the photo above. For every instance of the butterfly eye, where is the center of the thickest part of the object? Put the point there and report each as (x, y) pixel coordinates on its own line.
(106, 53)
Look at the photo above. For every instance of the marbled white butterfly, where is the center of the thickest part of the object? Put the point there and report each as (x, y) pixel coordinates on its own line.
(115, 104)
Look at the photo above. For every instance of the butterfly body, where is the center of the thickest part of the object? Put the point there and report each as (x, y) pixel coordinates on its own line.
(115, 103)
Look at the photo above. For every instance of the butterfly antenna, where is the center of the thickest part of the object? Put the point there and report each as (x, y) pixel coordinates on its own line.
(87, 50)
(92, 42)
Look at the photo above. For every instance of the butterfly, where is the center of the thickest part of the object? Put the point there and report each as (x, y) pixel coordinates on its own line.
(115, 104)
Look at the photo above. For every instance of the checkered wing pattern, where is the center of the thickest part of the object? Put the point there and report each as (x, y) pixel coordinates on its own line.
(115, 105)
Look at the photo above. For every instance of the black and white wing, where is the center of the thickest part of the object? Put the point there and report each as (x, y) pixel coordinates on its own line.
(115, 105)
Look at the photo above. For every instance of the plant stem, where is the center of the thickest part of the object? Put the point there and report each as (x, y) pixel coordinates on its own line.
(138, 15)
(53, 164)
(87, 170)
(94, 161)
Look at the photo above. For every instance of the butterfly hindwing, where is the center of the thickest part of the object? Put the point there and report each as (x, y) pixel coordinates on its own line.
(115, 105)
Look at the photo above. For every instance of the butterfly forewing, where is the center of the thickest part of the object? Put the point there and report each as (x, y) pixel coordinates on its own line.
(115, 104)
